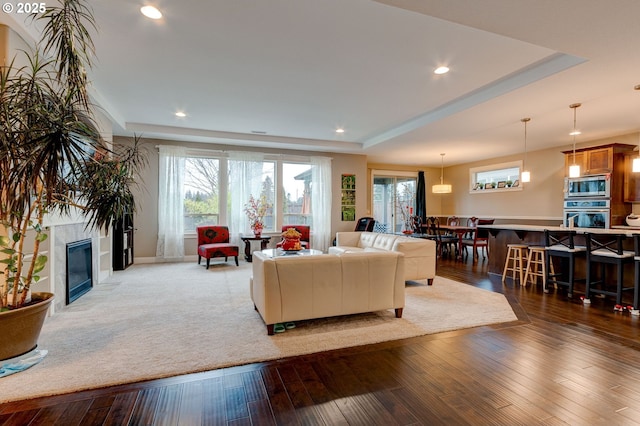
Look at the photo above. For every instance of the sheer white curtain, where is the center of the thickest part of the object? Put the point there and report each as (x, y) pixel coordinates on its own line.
(171, 203)
(321, 202)
(243, 182)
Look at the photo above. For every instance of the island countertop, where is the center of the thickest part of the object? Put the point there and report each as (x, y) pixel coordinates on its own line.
(522, 228)
(533, 235)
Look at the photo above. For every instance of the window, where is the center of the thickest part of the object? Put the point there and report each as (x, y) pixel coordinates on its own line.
(212, 182)
(497, 177)
(296, 193)
(201, 192)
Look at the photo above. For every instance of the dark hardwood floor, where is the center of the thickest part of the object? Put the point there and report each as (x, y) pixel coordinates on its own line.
(561, 363)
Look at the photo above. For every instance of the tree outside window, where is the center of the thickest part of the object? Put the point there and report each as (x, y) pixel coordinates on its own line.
(201, 189)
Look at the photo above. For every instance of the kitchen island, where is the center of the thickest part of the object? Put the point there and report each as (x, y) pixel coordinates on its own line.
(504, 234)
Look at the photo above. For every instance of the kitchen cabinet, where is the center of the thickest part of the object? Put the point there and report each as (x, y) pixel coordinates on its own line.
(591, 161)
(631, 179)
(597, 160)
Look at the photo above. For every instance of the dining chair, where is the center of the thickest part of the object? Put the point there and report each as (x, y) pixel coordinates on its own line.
(444, 242)
(480, 239)
(453, 221)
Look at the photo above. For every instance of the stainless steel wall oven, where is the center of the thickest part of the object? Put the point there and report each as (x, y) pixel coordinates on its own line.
(587, 213)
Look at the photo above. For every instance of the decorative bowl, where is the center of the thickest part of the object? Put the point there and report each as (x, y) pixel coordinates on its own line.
(285, 252)
(633, 220)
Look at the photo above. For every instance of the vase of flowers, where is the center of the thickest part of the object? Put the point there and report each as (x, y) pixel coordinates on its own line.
(256, 209)
(257, 229)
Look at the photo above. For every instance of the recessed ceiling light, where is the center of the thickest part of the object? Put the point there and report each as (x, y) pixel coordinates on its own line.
(441, 70)
(180, 114)
(151, 12)
(340, 130)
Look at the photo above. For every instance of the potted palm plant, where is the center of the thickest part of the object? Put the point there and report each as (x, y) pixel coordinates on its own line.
(52, 160)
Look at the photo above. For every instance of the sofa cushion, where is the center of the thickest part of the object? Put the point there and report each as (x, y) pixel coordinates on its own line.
(367, 239)
(384, 242)
(344, 249)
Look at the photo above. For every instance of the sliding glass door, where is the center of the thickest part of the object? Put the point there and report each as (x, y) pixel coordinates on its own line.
(391, 191)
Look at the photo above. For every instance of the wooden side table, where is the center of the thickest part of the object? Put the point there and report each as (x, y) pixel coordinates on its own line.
(264, 241)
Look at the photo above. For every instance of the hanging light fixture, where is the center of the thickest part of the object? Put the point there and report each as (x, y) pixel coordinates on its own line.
(441, 188)
(574, 169)
(526, 175)
(635, 165)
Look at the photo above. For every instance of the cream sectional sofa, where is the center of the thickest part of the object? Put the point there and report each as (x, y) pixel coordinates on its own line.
(294, 288)
(419, 254)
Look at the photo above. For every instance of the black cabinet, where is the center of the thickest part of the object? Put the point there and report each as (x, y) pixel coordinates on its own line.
(123, 242)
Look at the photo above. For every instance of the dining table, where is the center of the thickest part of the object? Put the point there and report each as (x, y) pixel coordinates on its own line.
(460, 230)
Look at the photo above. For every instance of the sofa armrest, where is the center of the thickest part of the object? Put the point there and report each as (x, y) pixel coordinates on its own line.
(416, 247)
(265, 288)
(348, 238)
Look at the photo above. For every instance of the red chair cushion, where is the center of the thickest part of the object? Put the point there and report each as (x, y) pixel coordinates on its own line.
(218, 250)
(212, 234)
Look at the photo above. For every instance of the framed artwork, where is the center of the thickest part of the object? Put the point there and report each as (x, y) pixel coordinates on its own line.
(502, 184)
(515, 183)
(488, 186)
(348, 197)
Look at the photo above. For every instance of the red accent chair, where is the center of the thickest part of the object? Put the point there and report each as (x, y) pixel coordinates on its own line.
(213, 241)
(304, 230)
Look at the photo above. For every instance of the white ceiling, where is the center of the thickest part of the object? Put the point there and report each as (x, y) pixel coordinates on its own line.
(298, 69)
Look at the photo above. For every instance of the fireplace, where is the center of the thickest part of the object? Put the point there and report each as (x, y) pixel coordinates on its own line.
(79, 269)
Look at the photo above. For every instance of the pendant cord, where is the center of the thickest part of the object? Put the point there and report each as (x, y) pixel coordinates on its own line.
(575, 131)
(525, 121)
(574, 135)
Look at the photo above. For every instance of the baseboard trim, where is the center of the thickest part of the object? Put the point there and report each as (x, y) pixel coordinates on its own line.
(146, 260)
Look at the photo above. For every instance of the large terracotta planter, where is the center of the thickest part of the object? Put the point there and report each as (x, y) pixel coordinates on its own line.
(20, 328)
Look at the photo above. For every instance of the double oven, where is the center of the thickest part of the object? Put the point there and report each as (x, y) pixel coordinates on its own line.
(587, 201)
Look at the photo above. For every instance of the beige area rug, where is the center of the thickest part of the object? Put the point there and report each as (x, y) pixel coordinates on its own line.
(154, 321)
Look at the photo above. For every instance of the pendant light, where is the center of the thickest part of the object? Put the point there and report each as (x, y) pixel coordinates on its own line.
(441, 188)
(574, 170)
(635, 165)
(526, 175)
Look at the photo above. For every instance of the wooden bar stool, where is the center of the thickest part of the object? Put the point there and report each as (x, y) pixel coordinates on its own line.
(536, 266)
(518, 255)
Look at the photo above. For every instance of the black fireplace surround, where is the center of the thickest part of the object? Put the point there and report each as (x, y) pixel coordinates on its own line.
(79, 269)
